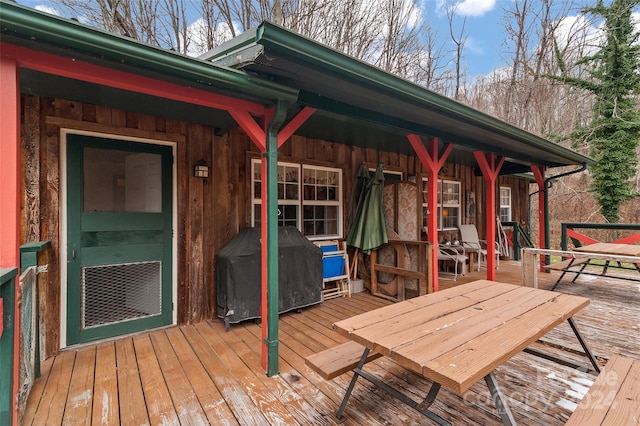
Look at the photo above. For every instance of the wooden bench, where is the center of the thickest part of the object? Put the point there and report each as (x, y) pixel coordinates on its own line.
(614, 397)
(562, 266)
(338, 360)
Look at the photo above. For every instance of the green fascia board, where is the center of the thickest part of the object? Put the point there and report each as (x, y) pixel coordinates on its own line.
(526, 176)
(40, 29)
(303, 49)
(7, 274)
(398, 124)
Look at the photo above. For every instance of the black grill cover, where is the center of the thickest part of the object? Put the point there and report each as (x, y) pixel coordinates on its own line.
(238, 274)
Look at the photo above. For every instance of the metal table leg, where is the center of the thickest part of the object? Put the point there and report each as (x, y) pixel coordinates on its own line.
(354, 379)
(586, 349)
(422, 407)
(499, 399)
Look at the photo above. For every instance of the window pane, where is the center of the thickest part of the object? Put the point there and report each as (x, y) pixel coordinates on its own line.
(505, 214)
(320, 220)
(450, 211)
(321, 185)
(450, 193)
(505, 204)
(313, 207)
(450, 217)
(121, 181)
(287, 215)
(287, 182)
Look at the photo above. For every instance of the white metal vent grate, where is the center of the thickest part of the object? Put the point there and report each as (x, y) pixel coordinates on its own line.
(121, 292)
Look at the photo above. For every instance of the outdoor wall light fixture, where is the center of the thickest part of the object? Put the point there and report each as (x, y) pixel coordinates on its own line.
(201, 169)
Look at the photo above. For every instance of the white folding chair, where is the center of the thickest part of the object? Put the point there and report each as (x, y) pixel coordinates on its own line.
(455, 255)
(473, 244)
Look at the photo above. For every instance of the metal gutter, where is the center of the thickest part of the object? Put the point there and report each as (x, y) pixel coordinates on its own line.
(302, 49)
(39, 29)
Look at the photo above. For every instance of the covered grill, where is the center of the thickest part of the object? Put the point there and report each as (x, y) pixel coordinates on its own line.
(238, 271)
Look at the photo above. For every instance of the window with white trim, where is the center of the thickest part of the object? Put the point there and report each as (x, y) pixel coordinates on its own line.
(505, 204)
(309, 198)
(449, 204)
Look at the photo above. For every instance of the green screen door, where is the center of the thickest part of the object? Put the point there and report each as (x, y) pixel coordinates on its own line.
(119, 248)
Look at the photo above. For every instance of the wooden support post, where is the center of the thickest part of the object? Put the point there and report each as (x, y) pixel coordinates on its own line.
(268, 138)
(10, 194)
(538, 173)
(432, 160)
(490, 171)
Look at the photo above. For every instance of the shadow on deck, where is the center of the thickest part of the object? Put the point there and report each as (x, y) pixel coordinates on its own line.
(200, 374)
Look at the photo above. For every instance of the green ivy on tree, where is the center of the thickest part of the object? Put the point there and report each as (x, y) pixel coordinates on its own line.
(614, 131)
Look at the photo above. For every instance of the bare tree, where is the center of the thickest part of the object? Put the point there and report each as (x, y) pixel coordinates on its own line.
(459, 38)
(516, 93)
(387, 33)
(159, 22)
(429, 69)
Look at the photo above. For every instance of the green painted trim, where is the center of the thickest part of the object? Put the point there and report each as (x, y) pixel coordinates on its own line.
(272, 237)
(112, 221)
(34, 246)
(6, 274)
(46, 32)
(29, 253)
(111, 255)
(618, 226)
(7, 294)
(104, 238)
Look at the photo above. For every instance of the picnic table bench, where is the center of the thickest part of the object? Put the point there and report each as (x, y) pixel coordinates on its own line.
(614, 398)
(607, 252)
(339, 359)
(455, 338)
(566, 267)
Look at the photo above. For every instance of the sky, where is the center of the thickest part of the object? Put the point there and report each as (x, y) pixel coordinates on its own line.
(483, 27)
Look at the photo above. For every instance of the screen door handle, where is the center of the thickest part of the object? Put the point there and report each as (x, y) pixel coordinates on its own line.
(73, 254)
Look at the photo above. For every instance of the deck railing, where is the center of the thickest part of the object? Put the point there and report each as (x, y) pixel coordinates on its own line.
(517, 239)
(28, 335)
(7, 315)
(29, 352)
(621, 233)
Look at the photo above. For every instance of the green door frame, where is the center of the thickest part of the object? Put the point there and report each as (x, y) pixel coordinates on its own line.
(106, 238)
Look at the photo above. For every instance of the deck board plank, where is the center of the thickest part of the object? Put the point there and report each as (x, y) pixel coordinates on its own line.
(80, 399)
(36, 392)
(133, 409)
(156, 394)
(106, 410)
(54, 397)
(296, 405)
(325, 407)
(539, 391)
(294, 352)
(230, 388)
(213, 404)
(261, 395)
(185, 401)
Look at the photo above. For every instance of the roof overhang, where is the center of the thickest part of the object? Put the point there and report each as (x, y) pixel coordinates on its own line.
(370, 107)
(356, 103)
(29, 28)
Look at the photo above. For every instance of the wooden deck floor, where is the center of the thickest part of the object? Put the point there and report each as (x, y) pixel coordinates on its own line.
(200, 374)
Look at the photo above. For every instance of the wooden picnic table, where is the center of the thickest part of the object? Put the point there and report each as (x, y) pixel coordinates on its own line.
(609, 252)
(458, 336)
(611, 248)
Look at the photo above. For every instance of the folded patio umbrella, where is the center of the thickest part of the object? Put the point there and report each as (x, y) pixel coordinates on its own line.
(368, 230)
(358, 193)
